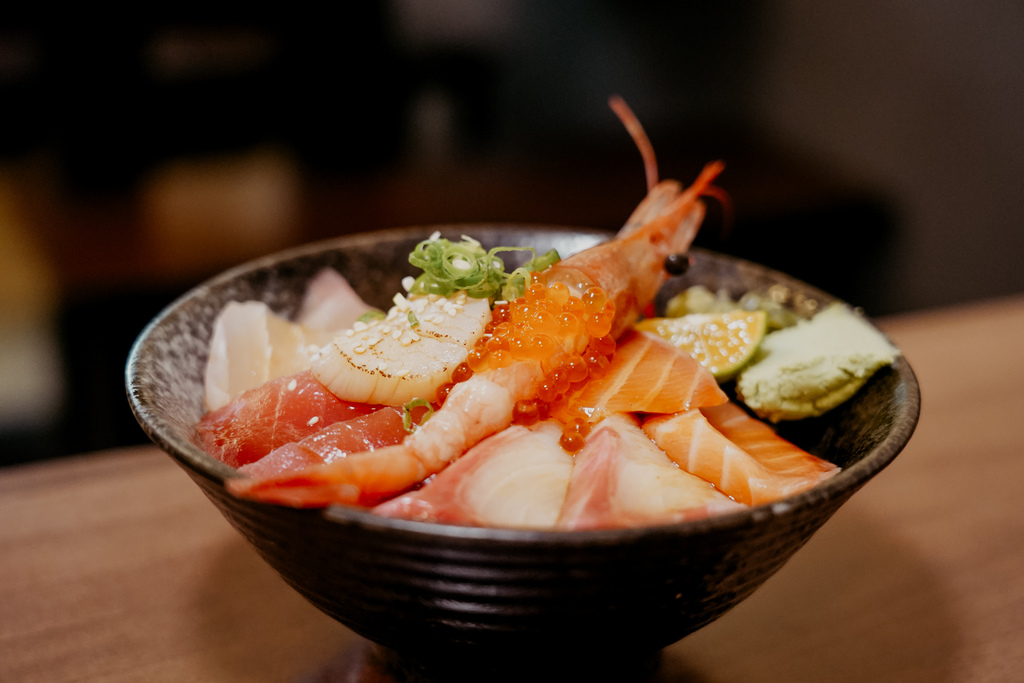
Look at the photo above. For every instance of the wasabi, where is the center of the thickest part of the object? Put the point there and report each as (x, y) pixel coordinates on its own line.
(810, 368)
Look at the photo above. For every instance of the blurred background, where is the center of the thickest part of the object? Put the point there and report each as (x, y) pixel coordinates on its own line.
(874, 149)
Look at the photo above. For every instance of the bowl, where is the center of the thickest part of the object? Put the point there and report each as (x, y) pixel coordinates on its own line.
(473, 601)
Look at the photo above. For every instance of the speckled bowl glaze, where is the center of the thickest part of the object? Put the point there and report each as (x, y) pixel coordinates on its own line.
(494, 600)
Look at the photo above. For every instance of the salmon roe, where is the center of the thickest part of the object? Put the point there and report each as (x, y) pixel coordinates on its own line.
(547, 324)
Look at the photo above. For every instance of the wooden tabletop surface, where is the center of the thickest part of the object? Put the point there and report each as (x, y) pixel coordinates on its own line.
(114, 567)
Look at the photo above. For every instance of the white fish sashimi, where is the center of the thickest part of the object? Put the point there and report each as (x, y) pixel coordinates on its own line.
(621, 479)
(330, 303)
(406, 355)
(514, 479)
(252, 345)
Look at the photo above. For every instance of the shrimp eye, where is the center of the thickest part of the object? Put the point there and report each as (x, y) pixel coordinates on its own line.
(677, 264)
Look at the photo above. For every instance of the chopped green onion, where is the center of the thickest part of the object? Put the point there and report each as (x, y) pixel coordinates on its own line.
(449, 267)
(544, 261)
(515, 287)
(371, 315)
(407, 412)
(519, 279)
(413, 320)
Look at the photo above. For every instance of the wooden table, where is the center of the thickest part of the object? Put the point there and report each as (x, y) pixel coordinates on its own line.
(114, 567)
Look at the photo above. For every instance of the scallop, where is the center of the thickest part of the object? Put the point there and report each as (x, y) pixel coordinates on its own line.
(406, 354)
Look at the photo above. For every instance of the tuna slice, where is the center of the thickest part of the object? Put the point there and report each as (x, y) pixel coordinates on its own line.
(364, 433)
(263, 419)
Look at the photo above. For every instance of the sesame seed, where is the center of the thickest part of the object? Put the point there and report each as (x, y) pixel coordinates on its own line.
(360, 326)
(292, 385)
(312, 421)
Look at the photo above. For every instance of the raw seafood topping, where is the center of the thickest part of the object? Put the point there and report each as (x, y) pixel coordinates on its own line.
(539, 402)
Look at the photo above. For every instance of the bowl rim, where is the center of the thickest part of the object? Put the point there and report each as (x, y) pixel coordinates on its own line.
(196, 461)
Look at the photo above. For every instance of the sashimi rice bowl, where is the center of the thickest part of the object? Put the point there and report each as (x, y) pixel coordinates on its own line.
(484, 447)
(426, 588)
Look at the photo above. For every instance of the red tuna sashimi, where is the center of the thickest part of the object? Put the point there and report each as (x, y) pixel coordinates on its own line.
(697, 447)
(621, 479)
(263, 419)
(364, 433)
(649, 375)
(314, 481)
(763, 444)
(517, 478)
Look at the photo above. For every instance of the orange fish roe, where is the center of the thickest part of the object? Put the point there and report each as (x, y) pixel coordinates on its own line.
(461, 373)
(541, 325)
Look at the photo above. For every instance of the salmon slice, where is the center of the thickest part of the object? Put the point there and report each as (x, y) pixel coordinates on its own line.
(517, 478)
(763, 444)
(692, 441)
(649, 375)
(278, 412)
(621, 479)
(381, 428)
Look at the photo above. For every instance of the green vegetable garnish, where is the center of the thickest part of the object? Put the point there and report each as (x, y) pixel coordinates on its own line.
(371, 315)
(413, 320)
(515, 285)
(451, 266)
(407, 412)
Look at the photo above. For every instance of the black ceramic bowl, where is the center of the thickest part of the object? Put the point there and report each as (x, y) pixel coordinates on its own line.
(503, 600)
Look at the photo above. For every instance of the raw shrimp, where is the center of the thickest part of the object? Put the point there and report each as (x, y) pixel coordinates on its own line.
(628, 270)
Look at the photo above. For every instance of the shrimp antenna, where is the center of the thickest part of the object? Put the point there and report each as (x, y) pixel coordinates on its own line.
(636, 131)
(728, 217)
